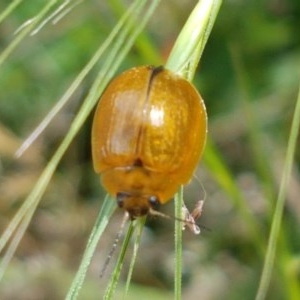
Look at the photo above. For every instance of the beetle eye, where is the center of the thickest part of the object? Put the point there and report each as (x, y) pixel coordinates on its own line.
(154, 202)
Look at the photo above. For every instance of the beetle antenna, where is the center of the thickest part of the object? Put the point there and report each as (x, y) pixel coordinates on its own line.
(202, 187)
(114, 246)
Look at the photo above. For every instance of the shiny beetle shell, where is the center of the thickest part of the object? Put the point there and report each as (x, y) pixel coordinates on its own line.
(148, 134)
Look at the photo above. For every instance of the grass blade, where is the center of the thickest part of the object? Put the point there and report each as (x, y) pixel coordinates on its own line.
(190, 43)
(107, 209)
(30, 25)
(141, 224)
(117, 270)
(277, 218)
(178, 245)
(9, 9)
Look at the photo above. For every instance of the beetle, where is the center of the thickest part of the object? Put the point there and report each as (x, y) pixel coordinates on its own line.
(148, 134)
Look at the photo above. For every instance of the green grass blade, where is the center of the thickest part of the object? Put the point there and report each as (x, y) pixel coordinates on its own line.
(144, 45)
(15, 242)
(190, 43)
(31, 24)
(109, 293)
(107, 209)
(29, 204)
(9, 9)
(277, 218)
(141, 224)
(178, 245)
(62, 10)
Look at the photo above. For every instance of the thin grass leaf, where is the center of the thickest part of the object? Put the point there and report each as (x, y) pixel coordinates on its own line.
(65, 11)
(57, 15)
(28, 207)
(178, 245)
(191, 41)
(136, 244)
(103, 218)
(9, 9)
(277, 218)
(15, 242)
(26, 30)
(111, 287)
(143, 44)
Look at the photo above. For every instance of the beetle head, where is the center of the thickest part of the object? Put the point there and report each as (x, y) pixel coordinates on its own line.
(135, 204)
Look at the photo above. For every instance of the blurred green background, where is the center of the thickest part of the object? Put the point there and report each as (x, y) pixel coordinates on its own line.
(249, 79)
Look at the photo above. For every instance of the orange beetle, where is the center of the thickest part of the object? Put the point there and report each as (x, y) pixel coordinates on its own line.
(148, 134)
